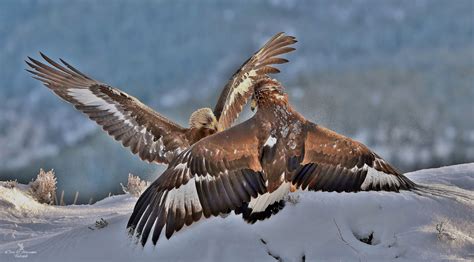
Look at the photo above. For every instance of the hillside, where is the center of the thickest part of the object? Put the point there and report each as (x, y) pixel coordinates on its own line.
(369, 226)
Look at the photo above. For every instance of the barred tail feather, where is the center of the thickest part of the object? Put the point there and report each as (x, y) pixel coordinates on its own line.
(442, 191)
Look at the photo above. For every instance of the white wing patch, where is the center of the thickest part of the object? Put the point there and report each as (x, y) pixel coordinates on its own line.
(375, 177)
(185, 195)
(87, 98)
(241, 88)
(271, 141)
(261, 202)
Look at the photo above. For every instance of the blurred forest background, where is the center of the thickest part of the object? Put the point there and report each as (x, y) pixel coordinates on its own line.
(396, 75)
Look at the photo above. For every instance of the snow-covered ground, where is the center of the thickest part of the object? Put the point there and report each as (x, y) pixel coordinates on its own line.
(318, 227)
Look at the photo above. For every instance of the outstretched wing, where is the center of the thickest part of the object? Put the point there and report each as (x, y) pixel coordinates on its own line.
(240, 87)
(333, 162)
(216, 175)
(148, 134)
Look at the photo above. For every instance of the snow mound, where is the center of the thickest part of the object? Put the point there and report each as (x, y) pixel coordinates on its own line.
(367, 226)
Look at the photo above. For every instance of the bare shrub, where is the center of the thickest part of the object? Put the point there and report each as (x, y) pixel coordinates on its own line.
(43, 188)
(443, 233)
(135, 186)
(293, 199)
(9, 184)
(100, 224)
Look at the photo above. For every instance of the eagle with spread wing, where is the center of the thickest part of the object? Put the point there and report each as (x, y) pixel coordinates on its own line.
(145, 132)
(252, 166)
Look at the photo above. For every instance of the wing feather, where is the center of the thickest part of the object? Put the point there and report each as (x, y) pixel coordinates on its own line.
(333, 162)
(240, 86)
(217, 179)
(148, 134)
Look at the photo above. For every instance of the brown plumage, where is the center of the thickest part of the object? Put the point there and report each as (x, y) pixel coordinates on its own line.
(148, 134)
(251, 167)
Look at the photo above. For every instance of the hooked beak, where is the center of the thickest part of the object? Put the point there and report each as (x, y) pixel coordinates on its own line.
(215, 126)
(253, 104)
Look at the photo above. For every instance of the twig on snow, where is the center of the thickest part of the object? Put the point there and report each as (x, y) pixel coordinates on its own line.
(276, 257)
(343, 240)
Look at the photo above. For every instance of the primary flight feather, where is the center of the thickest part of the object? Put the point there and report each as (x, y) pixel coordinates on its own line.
(145, 132)
(251, 167)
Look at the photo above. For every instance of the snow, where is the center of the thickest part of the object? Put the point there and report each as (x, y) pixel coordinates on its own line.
(318, 226)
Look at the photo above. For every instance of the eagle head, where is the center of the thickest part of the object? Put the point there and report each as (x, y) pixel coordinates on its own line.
(268, 91)
(203, 118)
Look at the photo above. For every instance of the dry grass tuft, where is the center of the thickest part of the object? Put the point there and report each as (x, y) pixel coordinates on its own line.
(43, 188)
(135, 186)
(9, 184)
